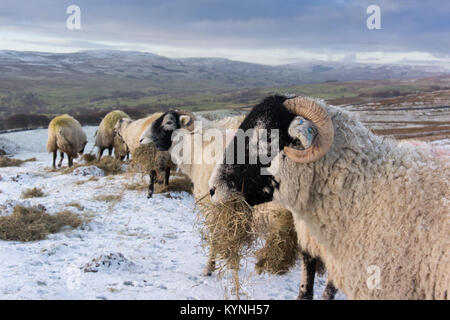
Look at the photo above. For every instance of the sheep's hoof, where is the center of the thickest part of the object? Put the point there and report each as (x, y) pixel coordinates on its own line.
(149, 195)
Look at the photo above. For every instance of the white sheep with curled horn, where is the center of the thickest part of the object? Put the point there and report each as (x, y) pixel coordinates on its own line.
(200, 172)
(379, 210)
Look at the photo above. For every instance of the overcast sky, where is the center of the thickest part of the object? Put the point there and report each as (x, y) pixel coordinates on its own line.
(262, 31)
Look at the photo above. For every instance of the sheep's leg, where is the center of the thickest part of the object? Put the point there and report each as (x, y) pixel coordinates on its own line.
(100, 153)
(306, 291)
(151, 186)
(210, 264)
(61, 154)
(330, 291)
(55, 154)
(167, 176)
(70, 161)
(110, 151)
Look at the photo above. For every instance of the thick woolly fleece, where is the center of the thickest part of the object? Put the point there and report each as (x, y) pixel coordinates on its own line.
(105, 133)
(66, 135)
(379, 210)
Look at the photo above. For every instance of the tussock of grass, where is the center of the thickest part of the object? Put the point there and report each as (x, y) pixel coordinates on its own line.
(32, 193)
(88, 157)
(228, 230)
(32, 223)
(281, 246)
(80, 182)
(75, 205)
(181, 183)
(107, 163)
(109, 197)
(11, 162)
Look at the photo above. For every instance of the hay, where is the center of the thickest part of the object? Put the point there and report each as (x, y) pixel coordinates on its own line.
(75, 204)
(107, 163)
(32, 193)
(147, 158)
(88, 158)
(179, 184)
(109, 197)
(33, 223)
(11, 162)
(281, 246)
(228, 230)
(176, 185)
(120, 148)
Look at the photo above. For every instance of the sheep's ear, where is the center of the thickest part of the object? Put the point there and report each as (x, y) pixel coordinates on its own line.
(184, 120)
(302, 130)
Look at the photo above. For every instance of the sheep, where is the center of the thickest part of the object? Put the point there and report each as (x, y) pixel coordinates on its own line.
(121, 151)
(379, 210)
(160, 133)
(105, 134)
(66, 135)
(131, 133)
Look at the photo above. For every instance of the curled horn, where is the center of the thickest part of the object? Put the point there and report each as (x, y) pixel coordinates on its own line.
(190, 124)
(310, 109)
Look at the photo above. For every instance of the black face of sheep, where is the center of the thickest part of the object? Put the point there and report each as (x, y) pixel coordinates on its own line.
(297, 136)
(247, 178)
(163, 128)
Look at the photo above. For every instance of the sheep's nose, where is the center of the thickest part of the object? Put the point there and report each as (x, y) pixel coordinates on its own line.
(140, 141)
(212, 191)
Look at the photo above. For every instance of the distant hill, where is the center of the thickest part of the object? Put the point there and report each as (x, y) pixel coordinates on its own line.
(88, 84)
(208, 73)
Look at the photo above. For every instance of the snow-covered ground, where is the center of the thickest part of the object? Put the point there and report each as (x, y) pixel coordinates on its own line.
(151, 248)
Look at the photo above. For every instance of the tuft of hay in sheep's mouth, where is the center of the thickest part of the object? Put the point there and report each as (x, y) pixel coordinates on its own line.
(228, 230)
(11, 162)
(147, 158)
(280, 251)
(33, 223)
(32, 193)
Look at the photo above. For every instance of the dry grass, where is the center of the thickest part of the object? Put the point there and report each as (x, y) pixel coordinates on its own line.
(11, 162)
(80, 182)
(32, 193)
(107, 163)
(75, 204)
(147, 158)
(109, 197)
(281, 246)
(88, 157)
(32, 223)
(176, 185)
(181, 183)
(228, 230)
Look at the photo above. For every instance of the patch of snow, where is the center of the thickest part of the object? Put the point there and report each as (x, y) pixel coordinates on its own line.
(88, 171)
(141, 248)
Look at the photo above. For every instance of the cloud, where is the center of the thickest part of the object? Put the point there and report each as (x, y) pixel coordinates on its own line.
(292, 28)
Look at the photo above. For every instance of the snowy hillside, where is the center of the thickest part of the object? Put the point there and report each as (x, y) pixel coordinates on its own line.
(138, 248)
